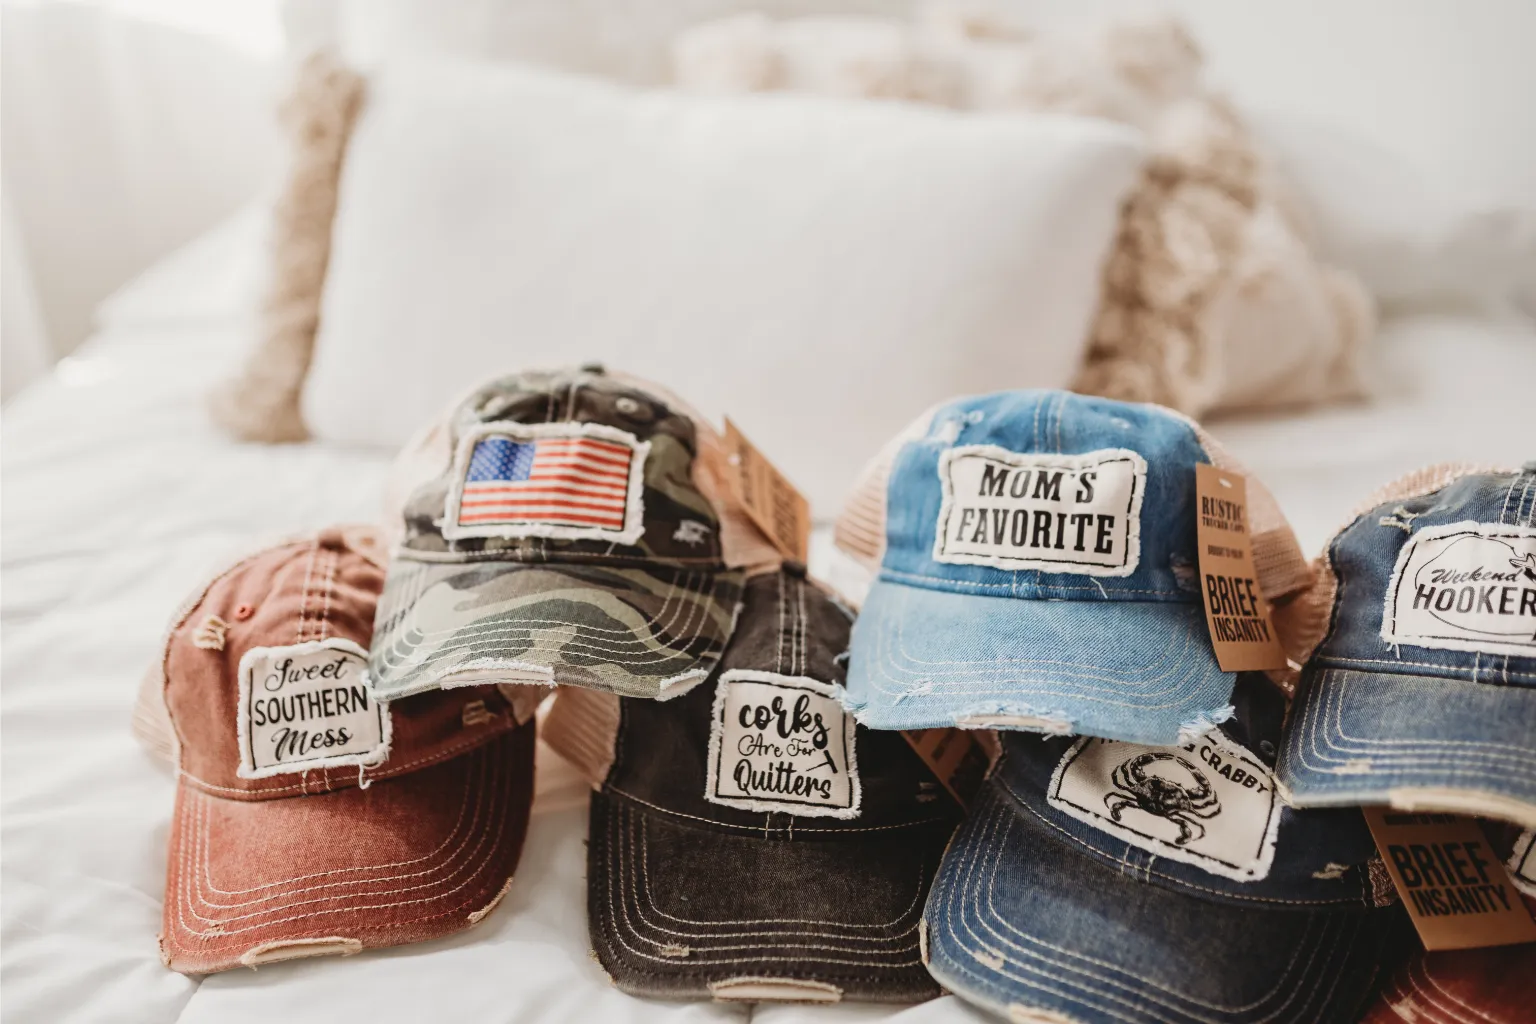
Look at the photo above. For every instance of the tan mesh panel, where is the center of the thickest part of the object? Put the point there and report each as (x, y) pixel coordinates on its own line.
(1311, 612)
(860, 527)
(1283, 569)
(151, 722)
(425, 457)
(582, 726)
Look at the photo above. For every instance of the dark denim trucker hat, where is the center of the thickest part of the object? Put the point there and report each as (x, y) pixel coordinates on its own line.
(748, 840)
(1037, 570)
(1101, 882)
(1422, 690)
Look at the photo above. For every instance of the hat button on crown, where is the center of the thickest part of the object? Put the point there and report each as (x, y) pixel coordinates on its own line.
(593, 368)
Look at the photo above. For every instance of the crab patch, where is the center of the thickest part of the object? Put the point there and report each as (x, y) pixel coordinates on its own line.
(1465, 587)
(782, 743)
(1055, 513)
(568, 480)
(1209, 803)
(308, 706)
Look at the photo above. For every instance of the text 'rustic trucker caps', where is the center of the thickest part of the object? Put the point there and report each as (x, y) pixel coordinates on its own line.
(1037, 570)
(565, 527)
(748, 840)
(1422, 691)
(311, 818)
(1099, 882)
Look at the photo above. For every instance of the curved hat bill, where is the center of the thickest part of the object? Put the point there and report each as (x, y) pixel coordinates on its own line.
(406, 859)
(1459, 986)
(1415, 742)
(676, 910)
(1021, 923)
(640, 632)
(1141, 671)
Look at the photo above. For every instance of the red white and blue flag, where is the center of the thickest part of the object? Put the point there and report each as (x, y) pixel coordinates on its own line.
(573, 481)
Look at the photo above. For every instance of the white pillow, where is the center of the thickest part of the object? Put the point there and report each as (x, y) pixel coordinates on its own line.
(620, 39)
(821, 270)
(1413, 242)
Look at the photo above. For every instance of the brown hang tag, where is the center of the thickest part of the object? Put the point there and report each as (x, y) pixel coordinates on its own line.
(955, 757)
(1242, 631)
(1453, 884)
(771, 501)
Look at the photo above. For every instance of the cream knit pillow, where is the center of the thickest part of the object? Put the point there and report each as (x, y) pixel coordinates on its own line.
(262, 402)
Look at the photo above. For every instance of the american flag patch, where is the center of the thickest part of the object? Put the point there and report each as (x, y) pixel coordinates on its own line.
(575, 480)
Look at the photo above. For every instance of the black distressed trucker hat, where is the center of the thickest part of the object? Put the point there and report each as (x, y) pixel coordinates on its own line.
(748, 840)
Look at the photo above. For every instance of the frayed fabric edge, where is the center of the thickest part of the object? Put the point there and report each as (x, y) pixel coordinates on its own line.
(1202, 724)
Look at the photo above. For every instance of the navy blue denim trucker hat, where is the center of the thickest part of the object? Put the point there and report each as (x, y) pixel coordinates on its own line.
(1421, 690)
(748, 841)
(1101, 882)
(1037, 570)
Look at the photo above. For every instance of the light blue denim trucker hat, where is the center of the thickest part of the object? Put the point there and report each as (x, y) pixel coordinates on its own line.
(1422, 690)
(1037, 570)
(1101, 882)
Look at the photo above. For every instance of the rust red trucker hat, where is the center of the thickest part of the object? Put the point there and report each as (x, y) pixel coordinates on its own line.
(311, 818)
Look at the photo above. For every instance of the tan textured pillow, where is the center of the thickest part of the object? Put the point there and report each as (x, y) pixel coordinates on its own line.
(262, 402)
(1212, 299)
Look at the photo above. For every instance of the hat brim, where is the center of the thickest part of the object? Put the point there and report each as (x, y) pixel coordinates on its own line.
(680, 911)
(639, 632)
(1416, 742)
(1458, 986)
(1022, 924)
(1142, 671)
(410, 858)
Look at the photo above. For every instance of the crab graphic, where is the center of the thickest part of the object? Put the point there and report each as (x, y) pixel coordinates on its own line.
(1180, 803)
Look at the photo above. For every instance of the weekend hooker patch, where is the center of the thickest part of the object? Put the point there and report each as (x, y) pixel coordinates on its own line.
(1465, 587)
(566, 480)
(1055, 513)
(1209, 803)
(308, 706)
(781, 743)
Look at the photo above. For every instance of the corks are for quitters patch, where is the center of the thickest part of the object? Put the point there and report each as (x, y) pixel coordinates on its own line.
(782, 743)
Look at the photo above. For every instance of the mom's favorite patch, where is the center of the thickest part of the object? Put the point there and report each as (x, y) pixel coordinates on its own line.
(782, 743)
(307, 706)
(1056, 513)
(1209, 803)
(1465, 587)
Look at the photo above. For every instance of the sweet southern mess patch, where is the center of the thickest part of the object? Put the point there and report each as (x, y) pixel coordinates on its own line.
(1465, 587)
(1056, 513)
(307, 706)
(781, 743)
(570, 480)
(1209, 803)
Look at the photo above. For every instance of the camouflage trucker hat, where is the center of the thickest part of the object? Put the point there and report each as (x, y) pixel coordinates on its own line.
(567, 527)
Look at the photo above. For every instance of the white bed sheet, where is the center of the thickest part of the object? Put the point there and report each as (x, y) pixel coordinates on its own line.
(118, 495)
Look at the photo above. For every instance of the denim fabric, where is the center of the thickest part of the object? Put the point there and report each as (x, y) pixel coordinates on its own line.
(1121, 656)
(685, 894)
(1035, 910)
(1019, 921)
(1377, 720)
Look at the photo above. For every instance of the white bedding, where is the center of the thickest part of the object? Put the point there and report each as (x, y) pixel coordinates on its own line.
(117, 496)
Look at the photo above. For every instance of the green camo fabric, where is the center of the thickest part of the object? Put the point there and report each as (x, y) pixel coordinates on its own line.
(647, 619)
